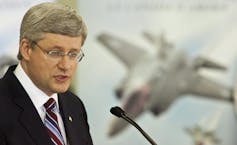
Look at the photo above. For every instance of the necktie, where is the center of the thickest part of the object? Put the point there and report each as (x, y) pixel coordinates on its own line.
(51, 122)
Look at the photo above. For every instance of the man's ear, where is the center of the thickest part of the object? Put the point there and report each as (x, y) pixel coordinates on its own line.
(25, 49)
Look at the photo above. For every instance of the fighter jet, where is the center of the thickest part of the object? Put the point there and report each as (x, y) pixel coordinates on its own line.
(204, 133)
(155, 80)
(201, 136)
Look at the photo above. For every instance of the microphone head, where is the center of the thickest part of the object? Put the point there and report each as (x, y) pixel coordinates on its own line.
(117, 111)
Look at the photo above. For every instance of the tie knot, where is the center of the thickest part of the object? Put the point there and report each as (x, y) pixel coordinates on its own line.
(50, 104)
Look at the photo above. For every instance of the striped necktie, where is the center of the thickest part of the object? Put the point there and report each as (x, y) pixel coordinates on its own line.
(51, 122)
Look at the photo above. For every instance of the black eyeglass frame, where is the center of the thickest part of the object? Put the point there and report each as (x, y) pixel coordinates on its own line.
(57, 53)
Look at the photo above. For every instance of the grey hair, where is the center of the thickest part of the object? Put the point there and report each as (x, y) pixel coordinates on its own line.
(51, 17)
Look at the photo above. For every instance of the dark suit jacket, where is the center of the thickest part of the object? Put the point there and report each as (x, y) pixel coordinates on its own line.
(20, 123)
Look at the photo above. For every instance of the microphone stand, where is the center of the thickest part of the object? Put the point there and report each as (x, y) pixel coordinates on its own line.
(139, 128)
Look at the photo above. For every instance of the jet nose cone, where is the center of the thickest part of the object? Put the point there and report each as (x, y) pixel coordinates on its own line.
(133, 105)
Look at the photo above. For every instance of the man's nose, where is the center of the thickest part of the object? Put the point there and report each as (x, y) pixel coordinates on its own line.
(65, 63)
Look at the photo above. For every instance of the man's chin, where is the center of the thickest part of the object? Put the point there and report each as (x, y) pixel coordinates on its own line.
(61, 89)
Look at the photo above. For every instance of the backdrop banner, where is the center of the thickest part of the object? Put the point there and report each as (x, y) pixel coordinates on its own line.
(170, 64)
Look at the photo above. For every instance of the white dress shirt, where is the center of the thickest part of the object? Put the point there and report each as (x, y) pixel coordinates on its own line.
(38, 97)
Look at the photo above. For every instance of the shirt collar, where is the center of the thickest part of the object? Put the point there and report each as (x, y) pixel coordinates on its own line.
(37, 96)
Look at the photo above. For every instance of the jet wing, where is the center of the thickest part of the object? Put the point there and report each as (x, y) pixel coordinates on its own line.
(128, 53)
(5, 62)
(205, 87)
(235, 96)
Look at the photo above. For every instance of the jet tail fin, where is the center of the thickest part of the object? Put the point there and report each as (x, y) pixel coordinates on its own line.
(201, 62)
(160, 42)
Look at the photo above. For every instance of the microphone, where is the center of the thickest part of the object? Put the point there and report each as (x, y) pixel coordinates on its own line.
(117, 111)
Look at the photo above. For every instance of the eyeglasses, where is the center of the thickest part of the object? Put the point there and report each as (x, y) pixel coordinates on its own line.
(57, 54)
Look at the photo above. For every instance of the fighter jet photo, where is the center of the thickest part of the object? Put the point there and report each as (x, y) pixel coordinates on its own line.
(155, 80)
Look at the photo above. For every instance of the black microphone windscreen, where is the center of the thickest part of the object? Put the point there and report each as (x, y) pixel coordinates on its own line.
(117, 111)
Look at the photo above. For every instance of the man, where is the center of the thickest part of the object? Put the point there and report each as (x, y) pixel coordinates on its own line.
(35, 106)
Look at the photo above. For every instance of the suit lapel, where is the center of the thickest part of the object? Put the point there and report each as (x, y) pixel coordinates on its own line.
(28, 117)
(31, 121)
(72, 121)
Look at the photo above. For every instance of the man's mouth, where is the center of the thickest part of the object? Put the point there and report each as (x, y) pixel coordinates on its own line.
(61, 78)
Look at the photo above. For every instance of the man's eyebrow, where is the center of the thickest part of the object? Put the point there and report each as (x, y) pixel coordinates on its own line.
(61, 48)
(75, 49)
(56, 47)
